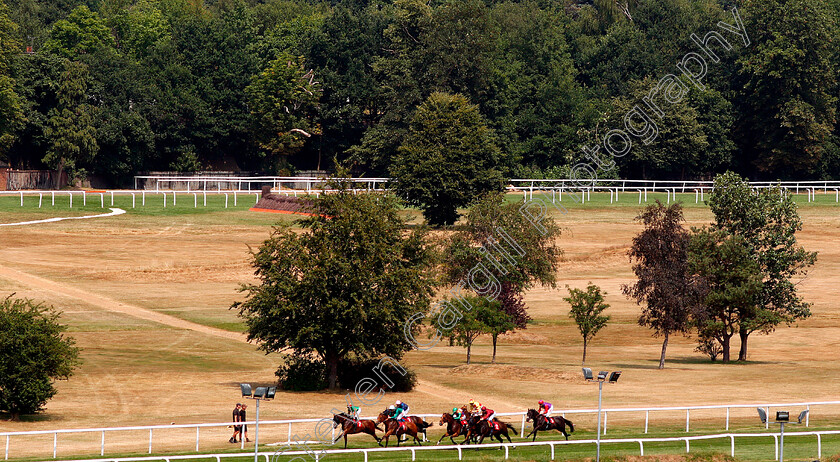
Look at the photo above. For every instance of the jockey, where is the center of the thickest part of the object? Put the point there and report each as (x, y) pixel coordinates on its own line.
(392, 411)
(456, 414)
(399, 411)
(546, 408)
(353, 411)
(474, 406)
(487, 414)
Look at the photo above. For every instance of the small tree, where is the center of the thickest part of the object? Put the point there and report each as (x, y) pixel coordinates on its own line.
(484, 317)
(587, 306)
(497, 321)
(33, 353)
(448, 159)
(663, 280)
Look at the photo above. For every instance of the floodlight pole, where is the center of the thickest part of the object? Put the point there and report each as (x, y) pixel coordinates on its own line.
(598, 438)
(257, 431)
(781, 443)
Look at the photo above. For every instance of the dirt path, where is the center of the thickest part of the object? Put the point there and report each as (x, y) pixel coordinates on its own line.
(110, 304)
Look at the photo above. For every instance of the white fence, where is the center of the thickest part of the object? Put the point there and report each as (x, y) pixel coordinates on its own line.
(290, 434)
(319, 454)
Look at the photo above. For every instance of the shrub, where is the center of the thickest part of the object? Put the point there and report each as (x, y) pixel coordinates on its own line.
(302, 373)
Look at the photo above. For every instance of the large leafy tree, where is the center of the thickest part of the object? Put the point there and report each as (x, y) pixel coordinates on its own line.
(11, 116)
(789, 81)
(587, 306)
(730, 282)
(663, 281)
(767, 221)
(34, 351)
(448, 159)
(70, 129)
(344, 286)
(83, 31)
(283, 99)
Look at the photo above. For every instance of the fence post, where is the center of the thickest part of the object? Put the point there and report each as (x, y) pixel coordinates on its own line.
(21, 198)
(133, 199)
(687, 419)
(164, 200)
(102, 446)
(507, 453)
(195, 200)
(641, 448)
(150, 441)
(767, 422)
(776, 440)
(55, 444)
(7, 447)
(71, 199)
(647, 419)
(144, 198)
(727, 419)
(290, 433)
(808, 415)
(205, 198)
(102, 200)
(552, 451)
(605, 422)
(522, 429)
(84, 197)
(112, 198)
(174, 197)
(53, 197)
(732, 445)
(819, 446)
(687, 448)
(196, 438)
(226, 200)
(40, 198)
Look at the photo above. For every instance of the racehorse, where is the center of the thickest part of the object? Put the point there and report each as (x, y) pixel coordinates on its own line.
(350, 426)
(454, 427)
(483, 428)
(543, 423)
(418, 422)
(397, 428)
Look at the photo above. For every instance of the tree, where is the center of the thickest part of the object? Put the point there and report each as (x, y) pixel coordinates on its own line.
(82, 32)
(587, 306)
(767, 221)
(730, 281)
(484, 317)
(663, 280)
(33, 353)
(70, 127)
(788, 89)
(447, 160)
(499, 320)
(283, 99)
(344, 286)
(11, 116)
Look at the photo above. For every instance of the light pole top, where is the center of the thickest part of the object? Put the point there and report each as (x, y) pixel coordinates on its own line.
(264, 393)
(603, 376)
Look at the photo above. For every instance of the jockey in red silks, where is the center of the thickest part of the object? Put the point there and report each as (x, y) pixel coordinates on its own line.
(487, 414)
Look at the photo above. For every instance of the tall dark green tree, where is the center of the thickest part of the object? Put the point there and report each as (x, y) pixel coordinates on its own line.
(788, 99)
(34, 352)
(767, 220)
(344, 286)
(70, 129)
(730, 283)
(11, 116)
(448, 159)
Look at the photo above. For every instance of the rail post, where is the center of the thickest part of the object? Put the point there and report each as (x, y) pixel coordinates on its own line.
(102, 200)
(7, 447)
(687, 419)
(196, 438)
(53, 197)
(112, 198)
(819, 446)
(21, 198)
(102, 444)
(552, 451)
(732, 445)
(150, 441)
(687, 447)
(55, 444)
(727, 419)
(84, 197)
(641, 448)
(808, 415)
(647, 420)
(522, 429)
(40, 198)
(605, 422)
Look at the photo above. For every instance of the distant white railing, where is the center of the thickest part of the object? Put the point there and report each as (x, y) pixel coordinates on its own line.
(319, 454)
(291, 436)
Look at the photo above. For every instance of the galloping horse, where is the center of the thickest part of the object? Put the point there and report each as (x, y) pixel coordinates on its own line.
(453, 427)
(543, 423)
(394, 427)
(350, 426)
(418, 422)
(495, 429)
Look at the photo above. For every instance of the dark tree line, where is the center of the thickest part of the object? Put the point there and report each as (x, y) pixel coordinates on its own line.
(114, 87)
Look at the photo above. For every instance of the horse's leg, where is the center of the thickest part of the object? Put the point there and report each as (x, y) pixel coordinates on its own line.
(535, 435)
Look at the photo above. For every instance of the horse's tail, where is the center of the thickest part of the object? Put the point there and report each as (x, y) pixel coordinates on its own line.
(571, 425)
(510, 426)
(376, 426)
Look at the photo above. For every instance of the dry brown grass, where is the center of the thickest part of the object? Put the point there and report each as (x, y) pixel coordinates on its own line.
(139, 371)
